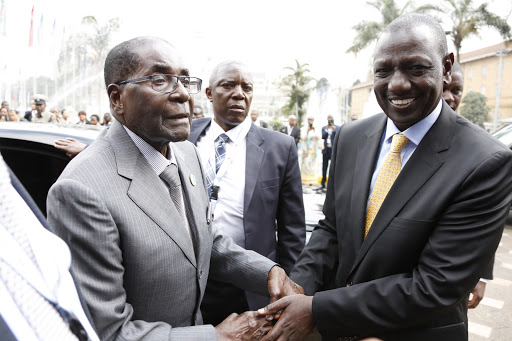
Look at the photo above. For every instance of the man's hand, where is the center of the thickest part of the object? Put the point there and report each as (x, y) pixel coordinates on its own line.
(246, 326)
(71, 146)
(280, 285)
(478, 294)
(296, 321)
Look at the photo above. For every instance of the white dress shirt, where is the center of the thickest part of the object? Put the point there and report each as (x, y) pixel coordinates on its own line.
(229, 210)
(50, 277)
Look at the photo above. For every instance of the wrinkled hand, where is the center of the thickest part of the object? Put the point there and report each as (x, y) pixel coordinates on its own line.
(280, 285)
(478, 295)
(71, 146)
(296, 321)
(246, 326)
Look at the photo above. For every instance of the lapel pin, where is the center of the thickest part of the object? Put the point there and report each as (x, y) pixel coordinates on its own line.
(192, 179)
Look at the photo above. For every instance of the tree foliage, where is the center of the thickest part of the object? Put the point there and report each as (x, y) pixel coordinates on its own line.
(297, 86)
(467, 20)
(368, 31)
(474, 108)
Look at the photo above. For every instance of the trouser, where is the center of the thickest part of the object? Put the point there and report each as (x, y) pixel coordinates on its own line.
(325, 164)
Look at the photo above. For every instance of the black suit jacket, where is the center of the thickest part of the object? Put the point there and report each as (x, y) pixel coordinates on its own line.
(273, 196)
(435, 232)
(295, 133)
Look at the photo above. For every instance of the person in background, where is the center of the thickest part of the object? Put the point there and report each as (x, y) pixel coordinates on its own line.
(258, 201)
(42, 116)
(198, 112)
(310, 146)
(328, 133)
(82, 118)
(29, 114)
(291, 129)
(452, 91)
(14, 116)
(95, 120)
(107, 119)
(3, 118)
(64, 117)
(415, 208)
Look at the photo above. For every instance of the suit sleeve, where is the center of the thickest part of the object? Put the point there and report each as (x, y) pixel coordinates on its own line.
(291, 225)
(245, 269)
(317, 264)
(81, 219)
(444, 275)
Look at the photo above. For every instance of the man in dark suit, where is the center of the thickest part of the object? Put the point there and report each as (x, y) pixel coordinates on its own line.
(291, 129)
(328, 133)
(36, 284)
(260, 191)
(133, 208)
(396, 259)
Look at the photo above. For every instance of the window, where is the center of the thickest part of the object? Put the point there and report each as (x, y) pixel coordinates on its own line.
(484, 70)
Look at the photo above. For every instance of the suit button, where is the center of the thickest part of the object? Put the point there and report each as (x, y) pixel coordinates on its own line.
(200, 274)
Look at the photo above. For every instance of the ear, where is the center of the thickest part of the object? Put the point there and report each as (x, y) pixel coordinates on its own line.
(114, 95)
(447, 68)
(208, 92)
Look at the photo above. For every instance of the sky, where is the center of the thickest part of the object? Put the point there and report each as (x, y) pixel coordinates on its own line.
(267, 35)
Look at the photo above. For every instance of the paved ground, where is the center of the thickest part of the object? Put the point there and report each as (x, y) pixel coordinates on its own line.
(492, 319)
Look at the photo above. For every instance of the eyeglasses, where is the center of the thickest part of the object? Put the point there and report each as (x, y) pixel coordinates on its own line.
(168, 83)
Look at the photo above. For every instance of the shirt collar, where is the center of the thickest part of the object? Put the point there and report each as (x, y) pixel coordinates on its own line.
(235, 134)
(156, 160)
(416, 132)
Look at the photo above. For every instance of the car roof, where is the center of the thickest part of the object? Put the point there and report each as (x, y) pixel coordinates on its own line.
(47, 133)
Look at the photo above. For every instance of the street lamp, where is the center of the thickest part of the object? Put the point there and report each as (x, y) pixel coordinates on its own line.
(501, 54)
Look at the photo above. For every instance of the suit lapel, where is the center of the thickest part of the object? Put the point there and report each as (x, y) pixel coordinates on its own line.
(367, 154)
(424, 162)
(198, 129)
(156, 203)
(254, 157)
(195, 192)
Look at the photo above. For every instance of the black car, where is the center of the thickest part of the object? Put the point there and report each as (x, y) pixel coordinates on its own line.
(28, 150)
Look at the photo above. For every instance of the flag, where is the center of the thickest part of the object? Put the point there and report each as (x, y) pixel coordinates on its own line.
(3, 29)
(40, 33)
(31, 37)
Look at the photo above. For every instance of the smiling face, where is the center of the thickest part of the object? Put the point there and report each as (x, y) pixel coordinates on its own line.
(231, 93)
(156, 117)
(409, 72)
(452, 92)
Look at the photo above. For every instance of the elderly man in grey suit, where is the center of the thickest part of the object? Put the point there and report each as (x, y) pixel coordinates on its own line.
(133, 208)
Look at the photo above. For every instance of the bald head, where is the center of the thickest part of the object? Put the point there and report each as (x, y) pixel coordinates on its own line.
(411, 21)
(216, 70)
(124, 59)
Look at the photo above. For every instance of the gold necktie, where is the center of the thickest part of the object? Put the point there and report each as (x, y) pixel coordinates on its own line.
(387, 176)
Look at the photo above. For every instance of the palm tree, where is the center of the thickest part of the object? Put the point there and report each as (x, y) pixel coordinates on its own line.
(468, 20)
(369, 31)
(297, 85)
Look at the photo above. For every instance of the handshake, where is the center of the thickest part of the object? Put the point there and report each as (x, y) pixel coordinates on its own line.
(288, 316)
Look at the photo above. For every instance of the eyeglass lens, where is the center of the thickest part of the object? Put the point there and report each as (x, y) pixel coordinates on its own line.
(168, 83)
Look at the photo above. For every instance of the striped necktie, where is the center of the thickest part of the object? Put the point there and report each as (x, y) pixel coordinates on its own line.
(387, 176)
(220, 155)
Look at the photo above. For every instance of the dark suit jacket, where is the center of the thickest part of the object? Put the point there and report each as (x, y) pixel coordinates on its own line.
(273, 196)
(295, 132)
(325, 136)
(438, 227)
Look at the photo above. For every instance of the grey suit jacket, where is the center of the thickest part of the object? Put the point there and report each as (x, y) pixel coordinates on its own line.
(141, 274)
(438, 227)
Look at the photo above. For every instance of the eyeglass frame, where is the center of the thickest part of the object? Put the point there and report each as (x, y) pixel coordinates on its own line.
(140, 79)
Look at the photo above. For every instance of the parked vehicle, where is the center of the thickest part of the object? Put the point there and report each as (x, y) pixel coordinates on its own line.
(28, 150)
